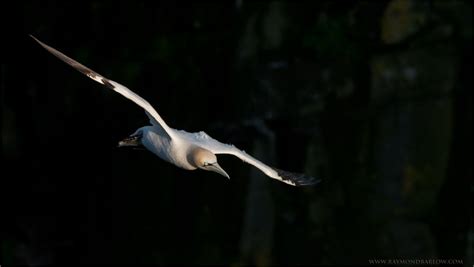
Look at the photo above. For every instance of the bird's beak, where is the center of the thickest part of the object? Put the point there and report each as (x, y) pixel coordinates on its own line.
(216, 168)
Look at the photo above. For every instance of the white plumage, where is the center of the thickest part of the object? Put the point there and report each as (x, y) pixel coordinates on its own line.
(183, 149)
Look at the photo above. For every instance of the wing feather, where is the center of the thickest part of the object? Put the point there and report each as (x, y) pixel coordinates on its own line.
(155, 118)
(204, 140)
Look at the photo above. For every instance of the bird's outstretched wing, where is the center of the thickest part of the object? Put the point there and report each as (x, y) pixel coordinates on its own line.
(205, 141)
(155, 118)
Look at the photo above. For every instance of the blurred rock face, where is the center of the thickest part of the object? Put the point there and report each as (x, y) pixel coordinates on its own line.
(373, 97)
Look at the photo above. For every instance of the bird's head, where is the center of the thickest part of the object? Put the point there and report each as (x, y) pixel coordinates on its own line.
(206, 160)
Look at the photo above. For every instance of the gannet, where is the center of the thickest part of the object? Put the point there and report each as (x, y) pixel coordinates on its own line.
(189, 151)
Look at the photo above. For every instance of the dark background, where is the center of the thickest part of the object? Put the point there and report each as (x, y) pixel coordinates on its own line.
(373, 97)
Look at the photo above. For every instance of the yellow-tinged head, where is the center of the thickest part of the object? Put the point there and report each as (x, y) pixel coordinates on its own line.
(206, 160)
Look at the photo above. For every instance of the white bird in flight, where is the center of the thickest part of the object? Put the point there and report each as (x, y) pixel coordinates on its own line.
(189, 151)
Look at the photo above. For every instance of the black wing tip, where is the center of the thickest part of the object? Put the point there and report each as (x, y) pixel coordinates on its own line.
(38, 41)
(299, 179)
(34, 38)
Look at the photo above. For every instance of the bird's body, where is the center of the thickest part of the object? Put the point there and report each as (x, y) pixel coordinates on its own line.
(189, 151)
(164, 147)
